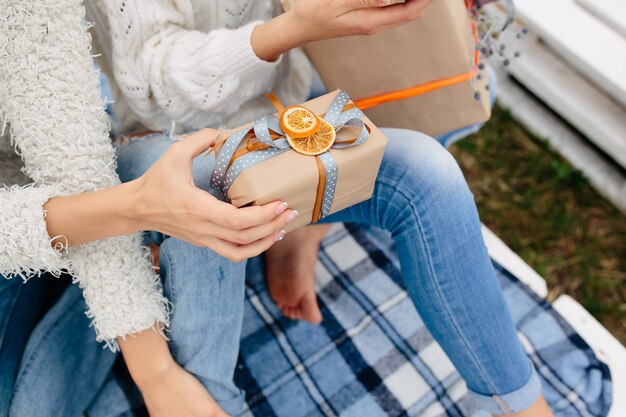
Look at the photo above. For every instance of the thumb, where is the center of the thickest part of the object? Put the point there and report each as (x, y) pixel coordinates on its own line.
(365, 4)
(193, 145)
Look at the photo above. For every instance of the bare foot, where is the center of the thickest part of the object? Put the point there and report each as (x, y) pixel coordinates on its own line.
(290, 268)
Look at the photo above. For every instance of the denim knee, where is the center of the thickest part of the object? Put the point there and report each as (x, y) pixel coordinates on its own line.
(207, 291)
(411, 153)
(423, 171)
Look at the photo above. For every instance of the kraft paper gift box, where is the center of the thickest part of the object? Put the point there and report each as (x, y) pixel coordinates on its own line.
(425, 55)
(248, 172)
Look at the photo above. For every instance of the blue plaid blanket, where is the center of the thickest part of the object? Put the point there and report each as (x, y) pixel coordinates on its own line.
(373, 356)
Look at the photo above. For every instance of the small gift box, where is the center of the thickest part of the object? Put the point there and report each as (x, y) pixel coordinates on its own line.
(255, 164)
(423, 75)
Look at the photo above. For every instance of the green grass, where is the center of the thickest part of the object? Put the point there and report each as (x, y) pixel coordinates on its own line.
(547, 212)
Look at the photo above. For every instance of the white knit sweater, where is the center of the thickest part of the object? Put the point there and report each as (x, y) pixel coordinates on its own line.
(191, 62)
(51, 107)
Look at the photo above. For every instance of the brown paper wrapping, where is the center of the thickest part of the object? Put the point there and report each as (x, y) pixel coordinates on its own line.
(293, 177)
(437, 46)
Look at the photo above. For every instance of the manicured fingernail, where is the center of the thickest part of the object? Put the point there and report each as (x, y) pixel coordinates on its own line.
(281, 208)
(280, 236)
(291, 216)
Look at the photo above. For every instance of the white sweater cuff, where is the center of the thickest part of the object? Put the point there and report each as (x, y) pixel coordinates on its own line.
(123, 297)
(25, 248)
(242, 58)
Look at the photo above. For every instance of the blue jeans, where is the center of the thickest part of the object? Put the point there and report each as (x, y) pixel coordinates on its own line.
(50, 363)
(207, 292)
(420, 197)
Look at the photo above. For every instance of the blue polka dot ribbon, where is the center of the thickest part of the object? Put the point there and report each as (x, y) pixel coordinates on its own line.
(227, 170)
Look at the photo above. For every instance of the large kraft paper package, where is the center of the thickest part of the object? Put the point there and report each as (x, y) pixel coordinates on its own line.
(437, 46)
(294, 178)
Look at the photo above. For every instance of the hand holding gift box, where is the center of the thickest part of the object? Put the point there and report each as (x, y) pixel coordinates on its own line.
(422, 75)
(255, 164)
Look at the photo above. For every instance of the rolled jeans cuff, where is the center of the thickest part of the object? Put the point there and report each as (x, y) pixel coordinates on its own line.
(513, 402)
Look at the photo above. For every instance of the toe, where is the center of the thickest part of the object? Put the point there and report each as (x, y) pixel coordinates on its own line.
(289, 312)
(310, 309)
(297, 313)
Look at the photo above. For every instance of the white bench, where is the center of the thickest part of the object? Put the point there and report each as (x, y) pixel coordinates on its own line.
(575, 62)
(611, 12)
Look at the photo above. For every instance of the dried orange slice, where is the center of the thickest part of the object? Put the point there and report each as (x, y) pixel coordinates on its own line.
(317, 143)
(299, 122)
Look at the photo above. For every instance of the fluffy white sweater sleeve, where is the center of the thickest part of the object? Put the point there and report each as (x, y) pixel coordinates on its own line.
(49, 95)
(168, 71)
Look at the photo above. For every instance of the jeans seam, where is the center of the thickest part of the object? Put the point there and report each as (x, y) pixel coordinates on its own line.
(439, 293)
(168, 260)
(503, 405)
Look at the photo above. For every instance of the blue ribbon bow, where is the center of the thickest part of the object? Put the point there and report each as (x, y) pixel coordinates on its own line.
(223, 176)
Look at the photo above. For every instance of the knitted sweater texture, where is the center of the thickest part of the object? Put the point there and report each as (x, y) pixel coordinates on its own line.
(190, 62)
(54, 127)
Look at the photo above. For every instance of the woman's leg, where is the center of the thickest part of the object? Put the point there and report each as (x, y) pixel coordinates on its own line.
(46, 345)
(207, 290)
(422, 198)
(289, 272)
(19, 314)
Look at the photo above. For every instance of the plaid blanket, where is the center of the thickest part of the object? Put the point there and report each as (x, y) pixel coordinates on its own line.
(373, 356)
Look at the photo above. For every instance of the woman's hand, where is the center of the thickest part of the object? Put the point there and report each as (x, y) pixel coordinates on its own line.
(312, 20)
(168, 390)
(169, 202)
(165, 199)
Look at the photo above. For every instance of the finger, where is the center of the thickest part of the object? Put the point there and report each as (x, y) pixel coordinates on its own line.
(193, 145)
(400, 13)
(231, 217)
(297, 313)
(288, 312)
(207, 207)
(239, 253)
(391, 16)
(349, 5)
(251, 234)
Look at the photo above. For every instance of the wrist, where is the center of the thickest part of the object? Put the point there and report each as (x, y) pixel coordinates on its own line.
(294, 31)
(95, 215)
(275, 37)
(149, 375)
(132, 209)
(147, 357)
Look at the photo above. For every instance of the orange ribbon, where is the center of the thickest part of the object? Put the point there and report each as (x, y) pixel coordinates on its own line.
(417, 90)
(319, 195)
